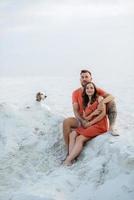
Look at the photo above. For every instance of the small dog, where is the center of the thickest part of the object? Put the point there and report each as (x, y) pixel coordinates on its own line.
(40, 96)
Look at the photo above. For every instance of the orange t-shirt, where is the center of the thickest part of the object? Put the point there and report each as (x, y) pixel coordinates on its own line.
(77, 97)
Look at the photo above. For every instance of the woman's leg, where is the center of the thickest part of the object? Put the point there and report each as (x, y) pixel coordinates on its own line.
(68, 124)
(72, 139)
(76, 149)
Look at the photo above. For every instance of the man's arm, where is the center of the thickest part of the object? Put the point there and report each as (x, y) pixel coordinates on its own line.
(76, 113)
(106, 96)
(106, 99)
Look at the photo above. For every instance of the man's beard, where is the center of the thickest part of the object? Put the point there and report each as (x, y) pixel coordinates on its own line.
(84, 83)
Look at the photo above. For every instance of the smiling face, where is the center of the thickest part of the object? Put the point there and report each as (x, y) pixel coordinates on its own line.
(90, 89)
(85, 78)
(89, 94)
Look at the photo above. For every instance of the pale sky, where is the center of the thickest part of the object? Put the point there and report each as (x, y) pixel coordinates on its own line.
(60, 37)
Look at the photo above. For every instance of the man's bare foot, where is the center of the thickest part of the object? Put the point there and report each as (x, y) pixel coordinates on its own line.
(113, 132)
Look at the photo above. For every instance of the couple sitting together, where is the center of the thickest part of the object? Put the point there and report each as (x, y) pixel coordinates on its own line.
(95, 113)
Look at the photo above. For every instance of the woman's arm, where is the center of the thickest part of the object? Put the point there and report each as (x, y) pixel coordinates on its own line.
(97, 118)
(90, 116)
(94, 113)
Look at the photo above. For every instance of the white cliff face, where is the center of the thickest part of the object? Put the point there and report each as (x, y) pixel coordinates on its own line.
(32, 147)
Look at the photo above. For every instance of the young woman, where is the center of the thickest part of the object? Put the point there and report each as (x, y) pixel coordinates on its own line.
(96, 122)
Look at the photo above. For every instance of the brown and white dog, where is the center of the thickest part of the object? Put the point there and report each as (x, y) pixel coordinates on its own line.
(40, 96)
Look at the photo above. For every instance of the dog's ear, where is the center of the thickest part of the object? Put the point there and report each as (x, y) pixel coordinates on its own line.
(37, 96)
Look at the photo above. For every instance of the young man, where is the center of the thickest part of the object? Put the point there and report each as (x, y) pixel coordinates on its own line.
(74, 122)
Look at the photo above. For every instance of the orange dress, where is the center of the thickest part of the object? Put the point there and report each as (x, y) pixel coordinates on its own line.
(98, 128)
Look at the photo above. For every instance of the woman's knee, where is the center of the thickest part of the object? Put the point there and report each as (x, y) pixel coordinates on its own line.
(73, 135)
(80, 139)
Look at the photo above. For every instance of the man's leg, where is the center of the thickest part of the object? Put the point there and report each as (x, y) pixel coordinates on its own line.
(68, 125)
(112, 114)
(112, 118)
(72, 139)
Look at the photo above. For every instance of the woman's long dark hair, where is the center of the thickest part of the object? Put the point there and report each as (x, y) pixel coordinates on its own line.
(85, 96)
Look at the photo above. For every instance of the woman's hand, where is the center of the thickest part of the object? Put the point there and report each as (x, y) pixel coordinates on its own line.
(83, 122)
(86, 124)
(86, 117)
(97, 111)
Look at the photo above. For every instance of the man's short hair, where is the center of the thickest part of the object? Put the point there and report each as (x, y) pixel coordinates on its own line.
(85, 71)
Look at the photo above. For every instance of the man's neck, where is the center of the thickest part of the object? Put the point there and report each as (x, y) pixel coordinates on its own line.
(82, 88)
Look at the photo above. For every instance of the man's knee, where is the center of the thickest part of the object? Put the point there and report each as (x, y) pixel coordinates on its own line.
(73, 135)
(66, 122)
(70, 122)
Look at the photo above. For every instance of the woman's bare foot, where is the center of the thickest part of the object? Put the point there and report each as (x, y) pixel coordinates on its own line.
(67, 162)
(63, 160)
